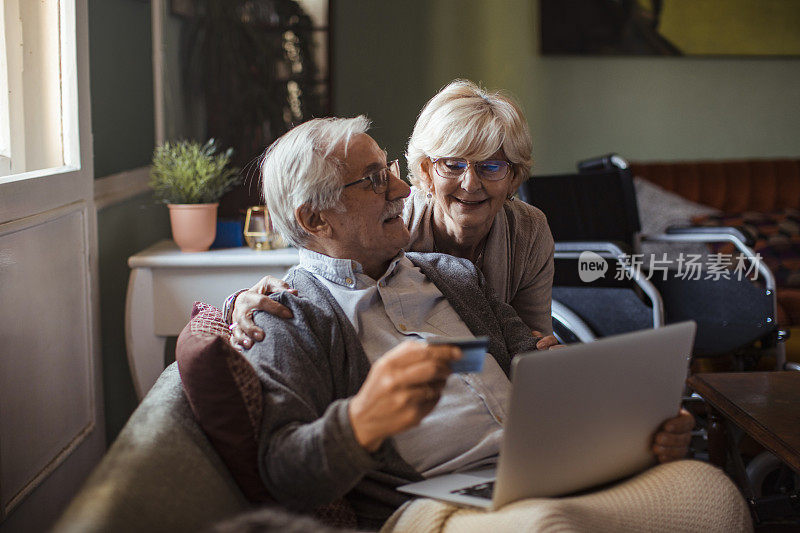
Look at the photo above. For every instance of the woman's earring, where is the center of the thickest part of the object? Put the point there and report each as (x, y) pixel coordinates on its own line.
(429, 195)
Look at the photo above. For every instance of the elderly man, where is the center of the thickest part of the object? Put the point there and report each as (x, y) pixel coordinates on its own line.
(357, 402)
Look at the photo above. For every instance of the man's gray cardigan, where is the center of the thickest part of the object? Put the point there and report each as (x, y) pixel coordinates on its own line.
(311, 365)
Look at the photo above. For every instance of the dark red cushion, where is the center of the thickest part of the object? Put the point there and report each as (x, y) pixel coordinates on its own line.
(225, 396)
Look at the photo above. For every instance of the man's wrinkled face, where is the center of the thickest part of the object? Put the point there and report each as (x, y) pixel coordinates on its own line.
(370, 228)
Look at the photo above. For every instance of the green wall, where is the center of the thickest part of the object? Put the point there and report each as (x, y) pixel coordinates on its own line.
(376, 48)
(121, 77)
(390, 57)
(123, 229)
(121, 74)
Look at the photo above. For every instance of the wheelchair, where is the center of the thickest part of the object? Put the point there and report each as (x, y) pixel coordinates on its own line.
(594, 213)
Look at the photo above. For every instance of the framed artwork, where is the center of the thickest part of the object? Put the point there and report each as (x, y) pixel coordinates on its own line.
(670, 27)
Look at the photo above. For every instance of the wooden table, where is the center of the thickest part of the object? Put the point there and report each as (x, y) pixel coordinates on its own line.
(765, 405)
(165, 282)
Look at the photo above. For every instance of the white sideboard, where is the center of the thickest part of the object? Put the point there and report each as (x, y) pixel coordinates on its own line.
(164, 284)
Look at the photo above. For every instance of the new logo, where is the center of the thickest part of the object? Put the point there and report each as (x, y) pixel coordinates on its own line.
(591, 266)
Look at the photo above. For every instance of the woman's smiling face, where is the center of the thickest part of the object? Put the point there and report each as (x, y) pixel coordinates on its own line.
(467, 202)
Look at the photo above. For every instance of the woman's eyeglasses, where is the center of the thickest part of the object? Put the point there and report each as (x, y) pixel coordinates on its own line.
(454, 167)
(380, 178)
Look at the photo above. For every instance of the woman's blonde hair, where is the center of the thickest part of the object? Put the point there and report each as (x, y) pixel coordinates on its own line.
(464, 120)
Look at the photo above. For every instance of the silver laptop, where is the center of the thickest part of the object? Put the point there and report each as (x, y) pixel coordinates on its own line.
(580, 416)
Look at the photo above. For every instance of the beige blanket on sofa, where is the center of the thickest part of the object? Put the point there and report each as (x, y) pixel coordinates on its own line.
(679, 496)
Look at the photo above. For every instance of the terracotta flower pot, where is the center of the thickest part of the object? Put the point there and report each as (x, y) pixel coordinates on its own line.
(194, 226)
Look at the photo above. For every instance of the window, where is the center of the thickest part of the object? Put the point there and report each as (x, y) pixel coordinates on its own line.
(35, 79)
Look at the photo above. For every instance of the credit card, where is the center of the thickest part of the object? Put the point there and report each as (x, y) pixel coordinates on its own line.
(472, 348)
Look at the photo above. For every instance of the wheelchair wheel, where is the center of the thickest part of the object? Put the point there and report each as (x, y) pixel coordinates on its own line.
(568, 327)
(770, 477)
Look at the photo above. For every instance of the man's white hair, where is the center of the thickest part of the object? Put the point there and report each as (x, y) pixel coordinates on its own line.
(299, 169)
(464, 120)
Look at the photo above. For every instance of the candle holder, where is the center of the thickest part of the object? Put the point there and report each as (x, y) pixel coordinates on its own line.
(258, 232)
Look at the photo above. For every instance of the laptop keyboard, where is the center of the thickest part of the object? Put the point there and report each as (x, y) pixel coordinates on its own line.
(481, 490)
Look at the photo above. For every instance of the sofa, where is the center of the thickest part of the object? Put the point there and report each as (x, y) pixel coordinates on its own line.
(161, 473)
(185, 462)
(760, 196)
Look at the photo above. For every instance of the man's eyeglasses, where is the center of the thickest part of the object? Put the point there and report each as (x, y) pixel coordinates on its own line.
(454, 167)
(380, 178)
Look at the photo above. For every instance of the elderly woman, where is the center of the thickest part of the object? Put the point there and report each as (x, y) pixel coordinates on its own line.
(469, 152)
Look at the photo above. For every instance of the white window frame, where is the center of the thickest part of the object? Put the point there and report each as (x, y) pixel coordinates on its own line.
(5, 125)
(43, 138)
(73, 179)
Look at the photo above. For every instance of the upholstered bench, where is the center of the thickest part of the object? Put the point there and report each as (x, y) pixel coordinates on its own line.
(762, 196)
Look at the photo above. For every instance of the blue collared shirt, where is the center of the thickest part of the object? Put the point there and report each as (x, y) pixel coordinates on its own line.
(401, 305)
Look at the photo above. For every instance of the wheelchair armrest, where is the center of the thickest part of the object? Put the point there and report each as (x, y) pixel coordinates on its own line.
(616, 251)
(745, 237)
(612, 248)
(722, 234)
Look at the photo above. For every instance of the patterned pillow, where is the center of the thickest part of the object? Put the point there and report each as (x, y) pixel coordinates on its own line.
(776, 235)
(225, 396)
